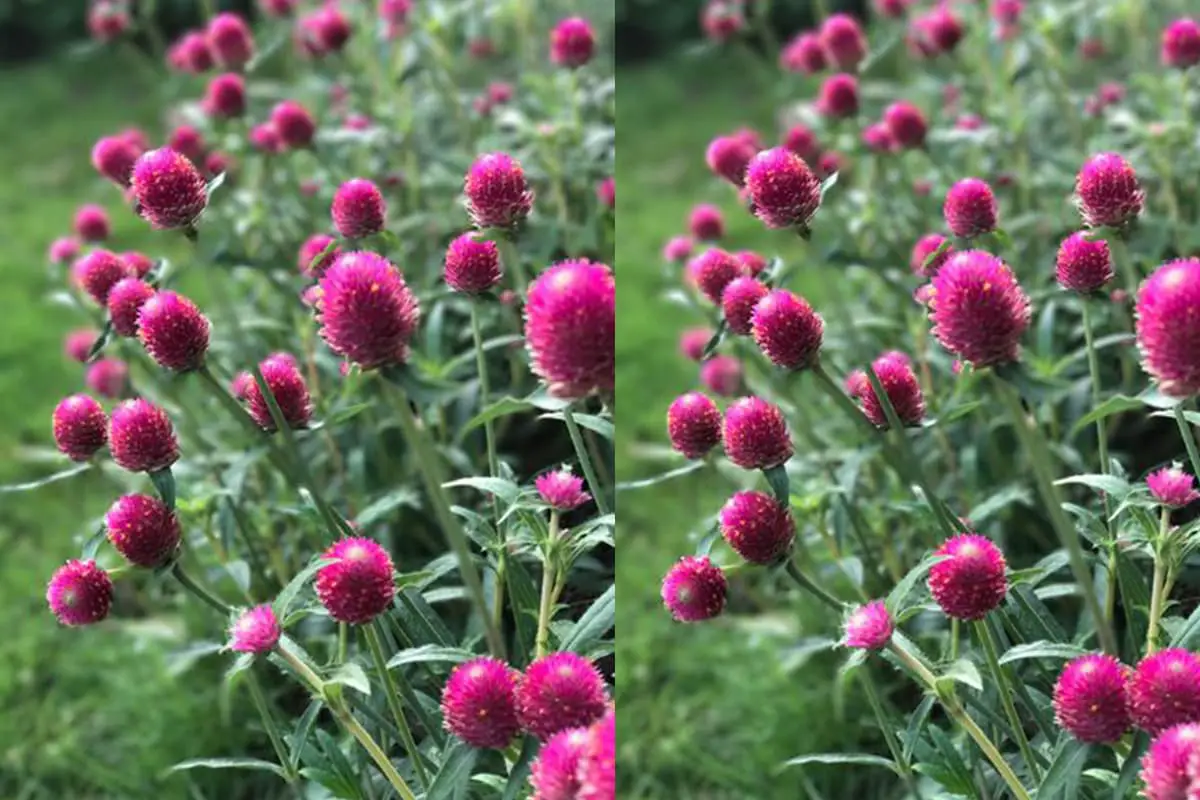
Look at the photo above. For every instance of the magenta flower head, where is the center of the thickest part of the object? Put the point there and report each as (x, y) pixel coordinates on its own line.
(226, 96)
(472, 264)
(843, 40)
(896, 375)
(173, 331)
(757, 527)
(979, 311)
(63, 249)
(554, 774)
(755, 434)
(802, 141)
(677, 249)
(722, 19)
(141, 437)
(80, 427)
(1167, 325)
(803, 54)
(1107, 191)
(713, 270)
(970, 208)
(869, 627)
(1089, 698)
(479, 703)
(560, 691)
(970, 579)
(106, 21)
(894, 9)
(98, 272)
(706, 223)
(1172, 487)
(754, 263)
(925, 247)
(942, 29)
(570, 328)
(561, 490)
(691, 342)
(598, 766)
(1083, 265)
(358, 586)
(367, 312)
(239, 386)
(313, 246)
(606, 192)
(125, 299)
(498, 195)
(1181, 43)
(287, 386)
(170, 191)
(91, 223)
(294, 124)
(838, 96)
(728, 156)
(139, 264)
(256, 631)
(108, 377)
(79, 593)
(1166, 766)
(277, 8)
(878, 138)
(906, 123)
(784, 190)
(359, 209)
(230, 40)
(142, 529)
(787, 330)
(572, 42)
(1165, 690)
(722, 375)
(694, 589)
(693, 424)
(331, 29)
(265, 139)
(113, 157)
(78, 344)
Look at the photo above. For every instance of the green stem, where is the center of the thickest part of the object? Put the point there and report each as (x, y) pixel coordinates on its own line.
(484, 393)
(809, 585)
(1120, 251)
(1110, 603)
(1002, 687)
(510, 258)
(393, 701)
(272, 727)
(1189, 438)
(585, 460)
(189, 583)
(885, 726)
(546, 604)
(1158, 585)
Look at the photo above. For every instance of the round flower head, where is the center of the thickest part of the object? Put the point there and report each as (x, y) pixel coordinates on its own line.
(1168, 329)
(78, 344)
(1107, 191)
(969, 581)
(113, 157)
(170, 191)
(314, 246)
(188, 141)
(838, 97)
(757, 527)
(903, 391)
(942, 29)
(479, 703)
(783, 189)
(868, 627)
(138, 264)
(367, 312)
(606, 192)
(787, 330)
(498, 196)
(239, 387)
(331, 29)
(925, 247)
(727, 157)
(713, 270)
(142, 529)
(230, 40)
(98, 272)
(561, 490)
(1089, 698)
(598, 766)
(572, 42)
(677, 249)
(843, 40)
(124, 301)
(193, 55)
(978, 309)
(570, 328)
(803, 54)
(106, 21)
(91, 223)
(706, 223)
(63, 250)
(755, 435)
(1181, 43)
(970, 208)
(801, 140)
(722, 19)
(894, 9)
(694, 589)
(173, 331)
(722, 375)
(1083, 265)
(752, 262)
(554, 774)
(358, 209)
(691, 342)
(1164, 690)
(255, 631)
(141, 437)
(108, 377)
(358, 586)
(294, 124)
(472, 264)
(1172, 487)
(560, 691)
(226, 96)
(1166, 769)
(277, 8)
(878, 138)
(80, 427)
(287, 386)
(265, 139)
(694, 424)
(906, 123)
(79, 593)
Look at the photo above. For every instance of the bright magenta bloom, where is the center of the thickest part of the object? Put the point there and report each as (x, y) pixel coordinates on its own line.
(1168, 327)
(170, 191)
(706, 223)
(560, 691)
(141, 437)
(694, 589)
(925, 247)
(108, 377)
(1107, 191)
(787, 330)
(694, 424)
(113, 157)
(677, 249)
(713, 270)
(78, 343)
(63, 250)
(843, 41)
(287, 386)
(728, 156)
(802, 141)
(472, 264)
(598, 766)
(255, 631)
(139, 264)
(1181, 43)
(498, 196)
(757, 527)
(606, 192)
(572, 42)
(358, 209)
(265, 139)
(173, 331)
(722, 375)
(942, 29)
(98, 272)
(125, 299)
(1089, 698)
(313, 246)
(691, 342)
(878, 138)
(277, 8)
(80, 427)
(755, 434)
(722, 19)
(1172, 487)
(838, 97)
(554, 774)
(906, 123)
(970, 208)
(1166, 765)
(753, 262)
(570, 328)
(191, 53)
(106, 21)
(230, 40)
(804, 54)
(978, 309)
(970, 581)
(226, 96)
(331, 29)
(561, 490)
(142, 529)
(479, 703)
(358, 586)
(294, 124)
(1083, 265)
(869, 627)
(895, 374)
(1165, 690)
(91, 223)
(784, 190)
(891, 8)
(367, 312)
(79, 593)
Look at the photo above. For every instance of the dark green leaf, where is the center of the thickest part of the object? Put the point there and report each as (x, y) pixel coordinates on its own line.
(595, 622)
(500, 408)
(287, 594)
(899, 594)
(505, 490)
(454, 778)
(164, 484)
(352, 675)
(69, 472)
(714, 342)
(430, 653)
(300, 736)
(101, 341)
(777, 477)
(1114, 405)
(1058, 651)
(518, 777)
(1062, 779)
(1109, 484)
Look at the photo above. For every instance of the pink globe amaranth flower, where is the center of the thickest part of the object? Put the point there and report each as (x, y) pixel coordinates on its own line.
(193, 54)
(869, 627)
(554, 774)
(713, 270)
(331, 28)
(755, 435)
(970, 208)
(1107, 191)
(481, 47)
(1181, 43)
(230, 40)
(753, 262)
(694, 589)
(1007, 13)
(572, 42)
(125, 299)
(838, 96)
(91, 223)
(356, 122)
(1110, 93)
(907, 124)
(239, 387)
(108, 377)
(968, 122)
(139, 264)
(560, 691)
(843, 40)
(141, 437)
(878, 138)
(722, 19)
(309, 188)
(187, 140)
(722, 375)
(970, 579)
(738, 300)
(691, 342)
(1168, 328)
(216, 163)
(1172, 487)
(942, 29)
(1089, 698)
(226, 96)
(1166, 769)
(706, 223)
(314, 246)
(277, 8)
(783, 189)
(265, 139)
(598, 766)
(78, 344)
(80, 427)
(757, 527)
(787, 330)
(294, 124)
(170, 191)
(79, 593)
(1091, 49)
(979, 311)
(922, 187)
(366, 311)
(606, 192)
(728, 156)
(479, 703)
(142, 529)
(63, 249)
(498, 196)
(282, 376)
(893, 9)
(255, 631)
(98, 272)
(896, 375)
(358, 586)
(925, 247)
(173, 331)
(113, 157)
(801, 140)
(803, 54)
(358, 209)
(829, 163)
(570, 328)
(693, 424)
(106, 21)
(472, 264)
(561, 490)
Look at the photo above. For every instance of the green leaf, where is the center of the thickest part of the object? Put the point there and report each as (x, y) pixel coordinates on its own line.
(352, 675)
(101, 341)
(1042, 649)
(828, 184)
(69, 472)
(899, 594)
(714, 342)
(228, 763)
(1062, 779)
(500, 408)
(93, 543)
(454, 778)
(1188, 635)
(384, 506)
(1117, 404)
(858, 759)
(300, 736)
(600, 425)
(662, 477)
(965, 672)
(519, 775)
(1131, 767)
(916, 723)
(1109, 484)
(505, 490)
(777, 477)
(213, 185)
(164, 484)
(595, 622)
(935, 255)
(287, 594)
(427, 653)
